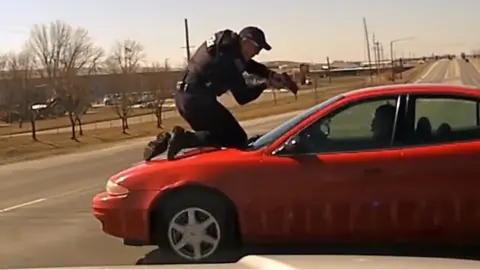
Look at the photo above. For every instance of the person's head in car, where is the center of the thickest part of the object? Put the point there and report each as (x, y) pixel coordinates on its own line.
(382, 122)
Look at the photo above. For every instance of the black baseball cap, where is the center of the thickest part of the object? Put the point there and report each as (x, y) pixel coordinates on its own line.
(256, 35)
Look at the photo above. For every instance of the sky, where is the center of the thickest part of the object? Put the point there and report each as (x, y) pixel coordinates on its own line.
(300, 30)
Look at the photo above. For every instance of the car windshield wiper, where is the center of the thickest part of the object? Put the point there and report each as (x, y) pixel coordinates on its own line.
(252, 140)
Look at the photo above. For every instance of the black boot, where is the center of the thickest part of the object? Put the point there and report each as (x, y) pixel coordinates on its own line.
(157, 146)
(178, 142)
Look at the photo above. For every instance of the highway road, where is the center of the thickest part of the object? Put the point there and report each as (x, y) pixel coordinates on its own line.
(455, 71)
(45, 216)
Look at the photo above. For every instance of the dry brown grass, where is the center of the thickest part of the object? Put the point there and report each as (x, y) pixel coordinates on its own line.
(23, 148)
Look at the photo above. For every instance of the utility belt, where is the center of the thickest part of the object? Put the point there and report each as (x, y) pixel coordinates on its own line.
(192, 85)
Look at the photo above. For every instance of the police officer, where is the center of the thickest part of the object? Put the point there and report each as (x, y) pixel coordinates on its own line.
(216, 67)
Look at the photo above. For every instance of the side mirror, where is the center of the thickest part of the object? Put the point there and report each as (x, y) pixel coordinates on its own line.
(292, 144)
(290, 147)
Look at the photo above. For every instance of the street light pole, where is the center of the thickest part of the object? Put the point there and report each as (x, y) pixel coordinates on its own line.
(391, 53)
(391, 60)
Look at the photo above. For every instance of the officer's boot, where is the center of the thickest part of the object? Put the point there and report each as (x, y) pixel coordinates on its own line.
(157, 146)
(181, 139)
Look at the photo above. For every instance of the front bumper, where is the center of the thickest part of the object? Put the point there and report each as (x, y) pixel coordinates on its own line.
(122, 216)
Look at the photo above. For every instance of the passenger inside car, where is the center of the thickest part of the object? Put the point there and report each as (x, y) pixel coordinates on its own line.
(317, 138)
(382, 123)
(444, 132)
(423, 132)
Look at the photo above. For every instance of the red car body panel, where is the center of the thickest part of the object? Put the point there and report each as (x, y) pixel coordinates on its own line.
(376, 196)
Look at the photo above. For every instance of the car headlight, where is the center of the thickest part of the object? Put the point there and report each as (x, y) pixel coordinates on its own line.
(114, 189)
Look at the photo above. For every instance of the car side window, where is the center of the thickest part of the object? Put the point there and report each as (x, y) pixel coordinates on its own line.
(365, 125)
(445, 119)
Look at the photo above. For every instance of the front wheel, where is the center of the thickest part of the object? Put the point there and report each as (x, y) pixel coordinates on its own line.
(196, 228)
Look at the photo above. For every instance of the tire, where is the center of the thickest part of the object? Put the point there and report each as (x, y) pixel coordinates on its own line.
(220, 246)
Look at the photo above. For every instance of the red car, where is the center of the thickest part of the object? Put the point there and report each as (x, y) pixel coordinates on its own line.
(390, 164)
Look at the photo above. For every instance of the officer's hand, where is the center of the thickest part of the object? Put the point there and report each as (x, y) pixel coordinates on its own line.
(289, 83)
(276, 81)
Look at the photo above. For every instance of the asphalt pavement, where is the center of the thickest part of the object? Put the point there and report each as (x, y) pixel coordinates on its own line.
(45, 216)
(455, 71)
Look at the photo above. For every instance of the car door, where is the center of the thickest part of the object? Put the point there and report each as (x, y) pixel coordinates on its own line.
(441, 158)
(337, 188)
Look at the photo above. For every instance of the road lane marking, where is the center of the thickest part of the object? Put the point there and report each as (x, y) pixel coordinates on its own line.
(432, 67)
(448, 72)
(22, 205)
(457, 69)
(40, 200)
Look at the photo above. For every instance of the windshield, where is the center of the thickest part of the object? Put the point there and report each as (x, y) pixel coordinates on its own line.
(275, 133)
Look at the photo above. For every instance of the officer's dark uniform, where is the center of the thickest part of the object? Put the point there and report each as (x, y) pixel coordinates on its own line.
(216, 67)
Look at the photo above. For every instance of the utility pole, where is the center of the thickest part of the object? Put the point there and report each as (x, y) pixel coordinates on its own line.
(375, 52)
(328, 71)
(392, 60)
(392, 54)
(187, 40)
(379, 55)
(367, 40)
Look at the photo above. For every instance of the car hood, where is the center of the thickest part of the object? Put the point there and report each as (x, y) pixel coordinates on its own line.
(194, 157)
(292, 262)
(188, 153)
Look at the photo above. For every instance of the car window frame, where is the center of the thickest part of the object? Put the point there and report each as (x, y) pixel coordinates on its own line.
(305, 115)
(411, 113)
(400, 112)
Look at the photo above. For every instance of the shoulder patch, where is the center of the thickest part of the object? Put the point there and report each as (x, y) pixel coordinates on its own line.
(210, 42)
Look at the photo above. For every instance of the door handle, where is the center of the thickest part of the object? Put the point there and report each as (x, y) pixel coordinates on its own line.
(373, 171)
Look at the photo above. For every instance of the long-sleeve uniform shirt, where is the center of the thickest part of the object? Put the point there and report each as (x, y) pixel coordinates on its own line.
(218, 66)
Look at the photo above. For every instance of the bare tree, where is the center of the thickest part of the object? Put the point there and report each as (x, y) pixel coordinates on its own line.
(160, 85)
(65, 53)
(3, 64)
(5, 93)
(125, 61)
(21, 71)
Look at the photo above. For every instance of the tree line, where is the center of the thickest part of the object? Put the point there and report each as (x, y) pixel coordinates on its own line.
(64, 58)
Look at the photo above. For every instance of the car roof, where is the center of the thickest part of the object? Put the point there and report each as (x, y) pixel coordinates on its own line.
(412, 88)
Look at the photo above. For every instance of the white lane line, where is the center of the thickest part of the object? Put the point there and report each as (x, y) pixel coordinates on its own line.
(40, 200)
(457, 69)
(22, 205)
(448, 73)
(426, 74)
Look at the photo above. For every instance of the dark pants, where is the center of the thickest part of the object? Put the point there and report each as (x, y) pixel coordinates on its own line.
(212, 123)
